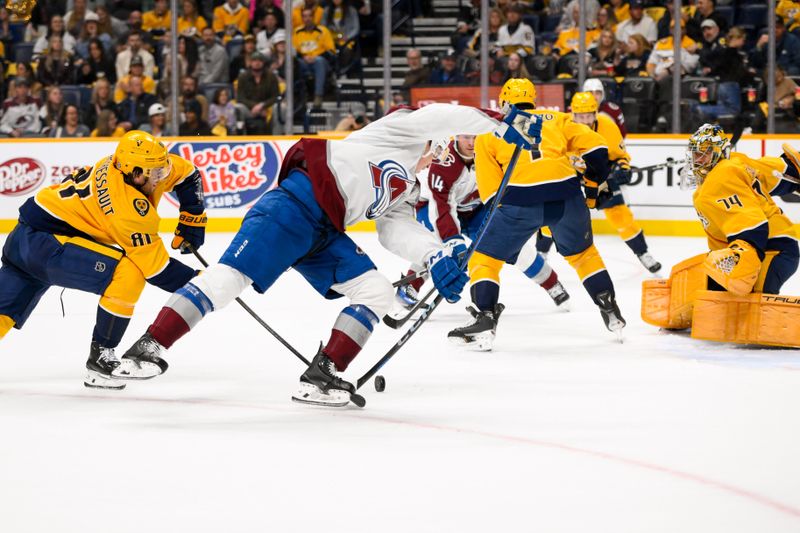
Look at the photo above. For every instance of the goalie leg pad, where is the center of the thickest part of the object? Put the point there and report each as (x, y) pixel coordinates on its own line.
(755, 318)
(669, 303)
(736, 268)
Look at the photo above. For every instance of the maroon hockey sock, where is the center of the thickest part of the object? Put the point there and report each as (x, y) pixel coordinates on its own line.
(551, 280)
(168, 327)
(341, 349)
(416, 283)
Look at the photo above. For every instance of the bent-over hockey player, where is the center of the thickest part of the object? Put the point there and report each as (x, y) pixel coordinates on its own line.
(544, 191)
(611, 200)
(324, 187)
(97, 231)
(454, 211)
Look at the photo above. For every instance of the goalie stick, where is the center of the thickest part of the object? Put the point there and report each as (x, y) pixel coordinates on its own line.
(464, 260)
(357, 399)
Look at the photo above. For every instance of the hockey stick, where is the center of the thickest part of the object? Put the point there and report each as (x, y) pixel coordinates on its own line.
(670, 162)
(464, 260)
(357, 399)
(396, 323)
(409, 278)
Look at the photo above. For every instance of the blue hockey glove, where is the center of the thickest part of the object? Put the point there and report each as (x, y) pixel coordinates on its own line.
(520, 128)
(191, 229)
(457, 246)
(447, 275)
(621, 174)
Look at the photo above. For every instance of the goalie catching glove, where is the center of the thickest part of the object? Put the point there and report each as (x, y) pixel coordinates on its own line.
(520, 128)
(447, 272)
(736, 268)
(191, 230)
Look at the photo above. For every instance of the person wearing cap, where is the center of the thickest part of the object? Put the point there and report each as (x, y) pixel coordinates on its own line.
(158, 20)
(447, 73)
(314, 44)
(241, 62)
(640, 22)
(704, 10)
(191, 23)
(157, 126)
(194, 124)
(515, 35)
(75, 18)
(257, 91)
(267, 37)
(91, 30)
(213, 59)
(20, 117)
(136, 69)
(230, 19)
(787, 50)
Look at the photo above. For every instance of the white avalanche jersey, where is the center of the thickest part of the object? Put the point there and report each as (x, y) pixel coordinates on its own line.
(370, 174)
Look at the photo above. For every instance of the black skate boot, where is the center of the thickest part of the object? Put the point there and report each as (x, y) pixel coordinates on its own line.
(101, 364)
(650, 263)
(480, 332)
(319, 384)
(559, 295)
(142, 360)
(610, 312)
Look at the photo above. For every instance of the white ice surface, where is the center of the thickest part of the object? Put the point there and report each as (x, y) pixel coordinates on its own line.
(560, 429)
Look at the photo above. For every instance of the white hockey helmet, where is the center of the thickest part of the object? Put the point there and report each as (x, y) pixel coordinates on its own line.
(594, 84)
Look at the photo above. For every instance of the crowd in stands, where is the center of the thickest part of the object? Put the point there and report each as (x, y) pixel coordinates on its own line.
(98, 68)
(723, 50)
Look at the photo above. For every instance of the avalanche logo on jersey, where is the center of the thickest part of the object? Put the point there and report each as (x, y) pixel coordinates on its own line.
(390, 181)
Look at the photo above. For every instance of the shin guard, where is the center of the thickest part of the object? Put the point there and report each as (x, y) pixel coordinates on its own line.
(592, 271)
(350, 333)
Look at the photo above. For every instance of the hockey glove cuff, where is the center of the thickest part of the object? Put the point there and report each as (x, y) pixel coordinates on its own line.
(520, 128)
(456, 246)
(621, 174)
(590, 189)
(191, 229)
(448, 276)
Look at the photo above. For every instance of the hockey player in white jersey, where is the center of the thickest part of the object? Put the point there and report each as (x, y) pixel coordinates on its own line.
(325, 186)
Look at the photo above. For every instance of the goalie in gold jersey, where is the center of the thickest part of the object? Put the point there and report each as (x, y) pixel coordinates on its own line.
(753, 244)
(97, 231)
(544, 190)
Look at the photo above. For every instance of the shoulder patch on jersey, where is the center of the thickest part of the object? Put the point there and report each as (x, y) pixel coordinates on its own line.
(141, 206)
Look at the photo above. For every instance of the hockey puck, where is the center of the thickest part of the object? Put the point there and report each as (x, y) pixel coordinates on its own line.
(380, 383)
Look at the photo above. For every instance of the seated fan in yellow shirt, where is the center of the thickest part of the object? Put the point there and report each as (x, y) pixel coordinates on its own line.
(97, 231)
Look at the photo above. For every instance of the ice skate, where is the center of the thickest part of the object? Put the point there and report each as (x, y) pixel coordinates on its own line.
(407, 296)
(559, 295)
(650, 263)
(142, 360)
(100, 366)
(320, 385)
(479, 333)
(610, 312)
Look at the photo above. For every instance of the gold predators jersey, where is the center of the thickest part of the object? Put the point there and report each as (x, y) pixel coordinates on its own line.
(732, 204)
(96, 202)
(543, 174)
(609, 131)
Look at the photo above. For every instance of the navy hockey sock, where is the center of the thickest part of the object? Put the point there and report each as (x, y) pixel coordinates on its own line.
(109, 328)
(637, 243)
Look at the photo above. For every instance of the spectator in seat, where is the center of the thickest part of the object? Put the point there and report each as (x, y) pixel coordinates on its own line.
(110, 25)
(417, 73)
(737, 40)
(70, 126)
(568, 41)
(75, 18)
(24, 70)
(136, 70)
(56, 27)
(567, 19)
(55, 67)
(52, 111)
(265, 39)
(515, 35)
(787, 50)
(710, 45)
(231, 20)
(265, 7)
(257, 91)
(515, 68)
(135, 48)
(704, 9)
(661, 66)
(121, 9)
(102, 99)
(297, 13)
(313, 44)
(157, 21)
(194, 125)
(639, 22)
(726, 64)
(621, 9)
(496, 21)
(20, 116)
(213, 60)
(241, 62)
(447, 73)
(341, 19)
(189, 91)
(604, 58)
(157, 125)
(133, 109)
(606, 20)
(633, 61)
(107, 125)
(90, 31)
(222, 113)
(191, 23)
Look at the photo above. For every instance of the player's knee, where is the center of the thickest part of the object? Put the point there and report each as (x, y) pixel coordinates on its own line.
(483, 267)
(123, 292)
(587, 262)
(529, 261)
(373, 290)
(221, 284)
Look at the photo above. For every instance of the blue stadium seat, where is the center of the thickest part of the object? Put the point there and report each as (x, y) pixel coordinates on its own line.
(532, 21)
(23, 52)
(728, 12)
(550, 23)
(211, 88)
(752, 14)
(72, 94)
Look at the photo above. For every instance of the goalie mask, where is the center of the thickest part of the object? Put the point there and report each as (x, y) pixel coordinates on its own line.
(707, 147)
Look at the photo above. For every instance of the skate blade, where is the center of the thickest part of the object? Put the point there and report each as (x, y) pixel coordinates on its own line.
(482, 342)
(620, 338)
(565, 306)
(311, 395)
(95, 380)
(129, 369)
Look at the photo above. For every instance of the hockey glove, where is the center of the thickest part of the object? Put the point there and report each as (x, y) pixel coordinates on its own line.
(520, 128)
(591, 189)
(192, 230)
(448, 276)
(621, 174)
(457, 247)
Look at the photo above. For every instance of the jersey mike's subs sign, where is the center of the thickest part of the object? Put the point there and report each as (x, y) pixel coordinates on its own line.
(237, 172)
